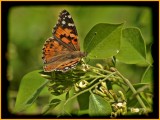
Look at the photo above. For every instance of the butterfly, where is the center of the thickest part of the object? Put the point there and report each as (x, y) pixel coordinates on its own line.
(61, 52)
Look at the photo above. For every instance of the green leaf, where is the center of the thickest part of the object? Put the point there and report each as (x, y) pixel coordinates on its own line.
(83, 101)
(51, 106)
(103, 40)
(98, 106)
(148, 75)
(31, 86)
(133, 48)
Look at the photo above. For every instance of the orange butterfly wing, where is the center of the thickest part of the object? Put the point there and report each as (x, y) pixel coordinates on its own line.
(65, 30)
(62, 52)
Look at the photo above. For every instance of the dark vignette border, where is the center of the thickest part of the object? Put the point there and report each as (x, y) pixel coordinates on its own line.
(7, 5)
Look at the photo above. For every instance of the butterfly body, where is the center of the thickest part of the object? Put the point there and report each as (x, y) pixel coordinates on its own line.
(62, 51)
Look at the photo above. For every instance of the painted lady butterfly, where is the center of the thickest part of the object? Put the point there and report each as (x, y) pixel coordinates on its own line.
(62, 51)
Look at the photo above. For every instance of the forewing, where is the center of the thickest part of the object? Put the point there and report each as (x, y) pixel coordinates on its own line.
(65, 31)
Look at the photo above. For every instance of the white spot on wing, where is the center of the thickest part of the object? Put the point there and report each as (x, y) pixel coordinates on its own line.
(70, 24)
(66, 68)
(63, 22)
(69, 16)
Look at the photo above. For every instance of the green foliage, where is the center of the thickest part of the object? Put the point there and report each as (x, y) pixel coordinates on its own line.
(51, 105)
(132, 42)
(103, 40)
(96, 88)
(98, 106)
(148, 75)
(141, 88)
(31, 86)
(83, 103)
(98, 81)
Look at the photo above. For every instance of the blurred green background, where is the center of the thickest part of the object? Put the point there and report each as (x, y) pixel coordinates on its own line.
(30, 26)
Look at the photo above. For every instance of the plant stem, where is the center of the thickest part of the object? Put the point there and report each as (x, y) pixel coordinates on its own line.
(93, 80)
(132, 88)
(88, 89)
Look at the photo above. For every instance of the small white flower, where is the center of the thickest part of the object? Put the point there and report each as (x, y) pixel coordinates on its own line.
(119, 104)
(85, 67)
(83, 84)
